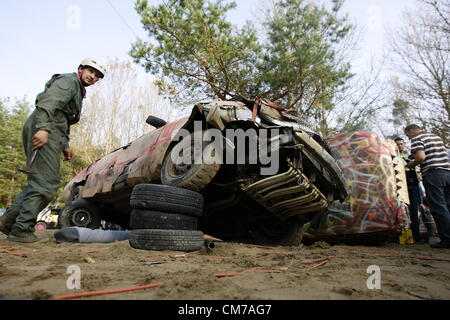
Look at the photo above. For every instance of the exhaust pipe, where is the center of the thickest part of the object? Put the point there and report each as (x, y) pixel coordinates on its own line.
(209, 245)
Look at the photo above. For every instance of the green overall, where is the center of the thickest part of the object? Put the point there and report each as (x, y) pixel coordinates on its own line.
(58, 107)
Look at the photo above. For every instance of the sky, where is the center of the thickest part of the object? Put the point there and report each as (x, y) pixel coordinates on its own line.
(40, 38)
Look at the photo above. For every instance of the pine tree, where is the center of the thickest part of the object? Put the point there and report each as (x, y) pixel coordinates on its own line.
(194, 48)
(12, 155)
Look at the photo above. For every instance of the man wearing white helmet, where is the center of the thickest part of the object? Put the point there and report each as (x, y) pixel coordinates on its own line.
(47, 130)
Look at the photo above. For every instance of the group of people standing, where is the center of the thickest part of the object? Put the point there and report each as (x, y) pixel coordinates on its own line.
(428, 178)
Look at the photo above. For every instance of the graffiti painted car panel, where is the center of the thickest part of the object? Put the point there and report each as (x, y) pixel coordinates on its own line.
(377, 207)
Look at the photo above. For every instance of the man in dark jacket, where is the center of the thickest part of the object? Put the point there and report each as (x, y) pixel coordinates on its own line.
(47, 130)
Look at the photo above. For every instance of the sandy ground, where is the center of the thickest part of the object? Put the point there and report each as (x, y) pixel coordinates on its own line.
(42, 273)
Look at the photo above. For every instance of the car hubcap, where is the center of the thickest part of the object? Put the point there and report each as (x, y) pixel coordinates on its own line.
(40, 227)
(81, 218)
(186, 159)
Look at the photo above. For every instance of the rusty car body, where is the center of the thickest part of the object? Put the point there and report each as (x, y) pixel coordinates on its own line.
(239, 202)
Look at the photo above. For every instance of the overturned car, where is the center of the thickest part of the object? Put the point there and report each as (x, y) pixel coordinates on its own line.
(262, 173)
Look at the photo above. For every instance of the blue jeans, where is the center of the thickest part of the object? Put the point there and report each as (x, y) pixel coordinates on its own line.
(415, 199)
(427, 221)
(437, 188)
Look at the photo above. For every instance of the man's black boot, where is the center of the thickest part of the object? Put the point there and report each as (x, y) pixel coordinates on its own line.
(17, 235)
(5, 225)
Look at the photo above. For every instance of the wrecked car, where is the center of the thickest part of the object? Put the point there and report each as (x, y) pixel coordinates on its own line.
(274, 173)
(48, 218)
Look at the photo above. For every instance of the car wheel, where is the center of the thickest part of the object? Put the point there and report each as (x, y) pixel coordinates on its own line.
(160, 240)
(287, 233)
(167, 199)
(146, 219)
(40, 226)
(80, 213)
(191, 164)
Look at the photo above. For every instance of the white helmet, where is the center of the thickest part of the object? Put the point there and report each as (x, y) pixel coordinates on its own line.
(94, 63)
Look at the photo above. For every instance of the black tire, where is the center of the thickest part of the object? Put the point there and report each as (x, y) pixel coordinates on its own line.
(160, 240)
(168, 199)
(194, 175)
(145, 219)
(289, 233)
(80, 213)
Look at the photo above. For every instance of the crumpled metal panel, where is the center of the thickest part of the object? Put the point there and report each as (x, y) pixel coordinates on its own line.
(219, 112)
(97, 174)
(144, 155)
(400, 173)
(333, 172)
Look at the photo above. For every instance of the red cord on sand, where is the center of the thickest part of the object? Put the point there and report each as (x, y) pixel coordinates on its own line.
(319, 260)
(430, 259)
(318, 265)
(98, 293)
(9, 249)
(222, 275)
